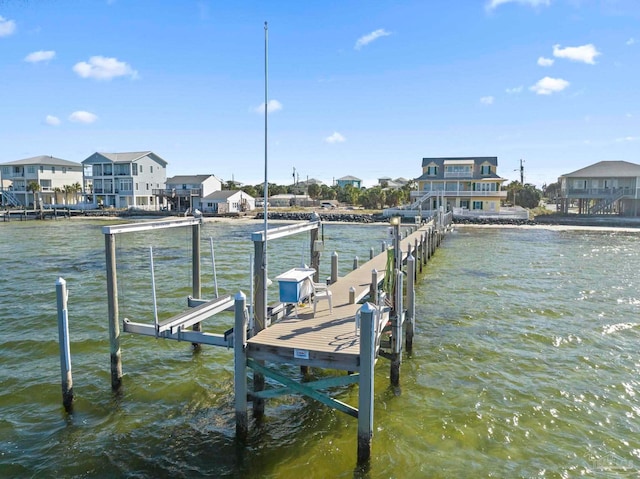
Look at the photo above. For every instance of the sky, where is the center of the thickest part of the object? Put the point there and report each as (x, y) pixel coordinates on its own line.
(356, 88)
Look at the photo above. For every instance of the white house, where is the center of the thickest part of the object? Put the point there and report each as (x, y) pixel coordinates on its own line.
(58, 181)
(228, 201)
(185, 192)
(126, 180)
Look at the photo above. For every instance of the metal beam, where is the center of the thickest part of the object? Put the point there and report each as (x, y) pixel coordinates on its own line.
(335, 381)
(285, 231)
(151, 225)
(190, 336)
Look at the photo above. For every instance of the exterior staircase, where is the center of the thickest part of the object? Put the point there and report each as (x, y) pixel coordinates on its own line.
(8, 198)
(605, 203)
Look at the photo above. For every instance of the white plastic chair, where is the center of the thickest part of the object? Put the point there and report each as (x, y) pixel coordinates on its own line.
(320, 292)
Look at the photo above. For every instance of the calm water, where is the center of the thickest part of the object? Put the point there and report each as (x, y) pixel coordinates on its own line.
(525, 361)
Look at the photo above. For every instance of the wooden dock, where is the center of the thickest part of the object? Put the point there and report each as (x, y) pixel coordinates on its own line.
(265, 337)
(328, 340)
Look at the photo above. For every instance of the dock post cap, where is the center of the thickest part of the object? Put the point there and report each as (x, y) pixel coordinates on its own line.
(367, 308)
(61, 281)
(240, 296)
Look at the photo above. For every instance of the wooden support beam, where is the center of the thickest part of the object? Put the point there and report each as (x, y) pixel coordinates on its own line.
(303, 389)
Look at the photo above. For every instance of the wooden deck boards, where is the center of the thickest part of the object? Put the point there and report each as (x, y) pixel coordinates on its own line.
(329, 339)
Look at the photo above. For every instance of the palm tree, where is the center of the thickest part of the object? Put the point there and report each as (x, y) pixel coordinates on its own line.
(56, 192)
(76, 189)
(34, 187)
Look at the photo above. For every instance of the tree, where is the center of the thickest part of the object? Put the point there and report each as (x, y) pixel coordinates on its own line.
(528, 196)
(551, 191)
(77, 189)
(34, 187)
(314, 191)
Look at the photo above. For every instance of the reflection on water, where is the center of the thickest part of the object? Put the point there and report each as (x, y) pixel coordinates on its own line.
(525, 361)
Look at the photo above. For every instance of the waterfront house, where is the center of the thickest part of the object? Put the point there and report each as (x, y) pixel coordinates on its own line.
(349, 180)
(289, 199)
(302, 187)
(228, 201)
(606, 187)
(125, 180)
(465, 183)
(184, 192)
(56, 181)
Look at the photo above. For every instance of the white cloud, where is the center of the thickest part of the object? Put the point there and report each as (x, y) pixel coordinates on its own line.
(487, 100)
(52, 120)
(103, 68)
(514, 90)
(545, 62)
(549, 85)
(335, 138)
(533, 3)
(369, 37)
(82, 117)
(7, 27)
(631, 41)
(40, 56)
(584, 53)
(627, 139)
(274, 105)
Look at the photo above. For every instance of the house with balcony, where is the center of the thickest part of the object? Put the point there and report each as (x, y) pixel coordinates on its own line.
(349, 180)
(606, 187)
(58, 181)
(461, 183)
(125, 180)
(188, 191)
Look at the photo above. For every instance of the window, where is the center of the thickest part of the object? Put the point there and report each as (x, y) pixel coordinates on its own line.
(64, 170)
(140, 168)
(485, 170)
(151, 169)
(31, 169)
(53, 169)
(134, 167)
(477, 205)
(41, 169)
(136, 186)
(432, 170)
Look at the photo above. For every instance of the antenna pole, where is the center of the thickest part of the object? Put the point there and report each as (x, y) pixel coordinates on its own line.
(266, 184)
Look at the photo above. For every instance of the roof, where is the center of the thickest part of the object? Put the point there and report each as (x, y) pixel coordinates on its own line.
(190, 179)
(43, 160)
(223, 195)
(606, 169)
(128, 156)
(476, 159)
(348, 178)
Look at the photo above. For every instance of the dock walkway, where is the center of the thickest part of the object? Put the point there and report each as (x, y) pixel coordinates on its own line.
(328, 340)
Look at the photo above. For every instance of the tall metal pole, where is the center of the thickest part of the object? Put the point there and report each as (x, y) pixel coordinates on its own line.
(266, 184)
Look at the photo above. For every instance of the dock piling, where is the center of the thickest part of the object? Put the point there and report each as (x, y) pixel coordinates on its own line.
(240, 366)
(114, 324)
(334, 267)
(365, 393)
(396, 354)
(63, 339)
(411, 303)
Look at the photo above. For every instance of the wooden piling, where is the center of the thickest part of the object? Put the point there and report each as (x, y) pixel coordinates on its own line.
(195, 272)
(334, 267)
(371, 253)
(240, 366)
(112, 302)
(396, 353)
(65, 350)
(366, 390)
(373, 290)
(411, 303)
(356, 263)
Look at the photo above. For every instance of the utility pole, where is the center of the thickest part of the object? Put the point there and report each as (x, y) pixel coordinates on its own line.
(522, 171)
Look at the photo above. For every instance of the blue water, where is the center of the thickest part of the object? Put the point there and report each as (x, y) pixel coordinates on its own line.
(525, 361)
